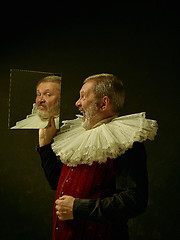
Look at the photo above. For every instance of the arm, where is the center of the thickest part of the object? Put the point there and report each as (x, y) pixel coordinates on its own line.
(50, 164)
(131, 194)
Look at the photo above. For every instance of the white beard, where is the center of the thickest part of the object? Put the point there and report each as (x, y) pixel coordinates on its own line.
(90, 116)
(53, 111)
(33, 121)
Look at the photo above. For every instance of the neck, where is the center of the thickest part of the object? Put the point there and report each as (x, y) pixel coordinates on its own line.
(95, 123)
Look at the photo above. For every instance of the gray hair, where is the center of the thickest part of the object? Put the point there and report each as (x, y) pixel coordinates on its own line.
(109, 85)
(51, 78)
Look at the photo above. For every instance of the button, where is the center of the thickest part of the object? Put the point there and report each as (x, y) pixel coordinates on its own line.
(72, 170)
(57, 228)
(67, 180)
(62, 193)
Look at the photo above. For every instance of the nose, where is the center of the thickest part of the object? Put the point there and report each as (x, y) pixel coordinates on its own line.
(40, 99)
(78, 103)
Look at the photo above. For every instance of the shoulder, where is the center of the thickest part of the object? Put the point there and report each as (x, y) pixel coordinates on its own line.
(135, 155)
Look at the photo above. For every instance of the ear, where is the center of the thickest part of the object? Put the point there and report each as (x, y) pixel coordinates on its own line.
(104, 104)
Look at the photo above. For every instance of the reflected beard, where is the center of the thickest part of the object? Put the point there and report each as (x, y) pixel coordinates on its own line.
(49, 112)
(89, 116)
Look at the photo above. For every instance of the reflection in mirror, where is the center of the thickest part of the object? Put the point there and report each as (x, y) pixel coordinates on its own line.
(34, 98)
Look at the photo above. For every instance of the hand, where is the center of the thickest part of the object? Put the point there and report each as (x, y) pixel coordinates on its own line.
(46, 135)
(64, 207)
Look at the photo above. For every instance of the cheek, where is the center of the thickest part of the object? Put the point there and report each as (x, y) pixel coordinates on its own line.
(37, 100)
(48, 103)
(86, 104)
(51, 101)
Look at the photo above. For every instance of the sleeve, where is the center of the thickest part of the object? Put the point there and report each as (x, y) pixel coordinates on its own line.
(50, 164)
(131, 196)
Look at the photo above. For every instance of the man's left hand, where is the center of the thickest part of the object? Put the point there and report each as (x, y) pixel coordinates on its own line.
(64, 207)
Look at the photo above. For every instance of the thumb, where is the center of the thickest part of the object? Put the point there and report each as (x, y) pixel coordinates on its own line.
(52, 122)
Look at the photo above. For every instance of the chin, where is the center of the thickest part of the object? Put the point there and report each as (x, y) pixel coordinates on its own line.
(87, 124)
(44, 115)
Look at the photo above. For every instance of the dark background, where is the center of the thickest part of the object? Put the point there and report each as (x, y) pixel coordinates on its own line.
(138, 43)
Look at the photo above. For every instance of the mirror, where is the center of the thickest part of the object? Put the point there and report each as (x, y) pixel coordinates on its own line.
(34, 97)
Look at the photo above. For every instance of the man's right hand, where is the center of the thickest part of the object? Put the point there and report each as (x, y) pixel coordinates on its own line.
(46, 135)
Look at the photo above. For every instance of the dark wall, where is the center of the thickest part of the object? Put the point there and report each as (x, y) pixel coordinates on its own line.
(138, 43)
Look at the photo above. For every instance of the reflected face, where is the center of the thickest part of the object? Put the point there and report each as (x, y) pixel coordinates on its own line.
(48, 99)
(88, 105)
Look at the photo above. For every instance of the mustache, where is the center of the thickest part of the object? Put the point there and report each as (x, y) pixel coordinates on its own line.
(42, 104)
(81, 110)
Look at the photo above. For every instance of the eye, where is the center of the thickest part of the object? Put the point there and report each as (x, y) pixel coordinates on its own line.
(48, 94)
(83, 96)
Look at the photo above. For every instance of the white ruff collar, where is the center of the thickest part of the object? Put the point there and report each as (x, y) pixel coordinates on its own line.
(112, 138)
(33, 121)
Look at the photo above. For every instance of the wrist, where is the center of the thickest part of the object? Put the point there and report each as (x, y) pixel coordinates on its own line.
(43, 148)
(44, 142)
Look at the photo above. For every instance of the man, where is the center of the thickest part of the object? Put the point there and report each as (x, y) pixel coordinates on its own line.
(101, 180)
(47, 104)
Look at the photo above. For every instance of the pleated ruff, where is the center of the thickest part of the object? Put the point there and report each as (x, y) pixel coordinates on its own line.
(33, 121)
(75, 145)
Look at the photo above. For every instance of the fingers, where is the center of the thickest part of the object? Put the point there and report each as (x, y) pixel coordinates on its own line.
(61, 198)
(60, 205)
(40, 132)
(51, 122)
(46, 135)
(63, 213)
(64, 207)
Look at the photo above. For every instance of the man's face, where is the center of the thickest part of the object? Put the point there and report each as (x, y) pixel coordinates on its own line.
(48, 99)
(88, 105)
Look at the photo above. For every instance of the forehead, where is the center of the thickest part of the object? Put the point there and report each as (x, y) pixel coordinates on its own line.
(87, 87)
(48, 85)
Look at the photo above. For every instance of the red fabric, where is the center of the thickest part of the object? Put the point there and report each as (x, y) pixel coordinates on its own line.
(86, 182)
